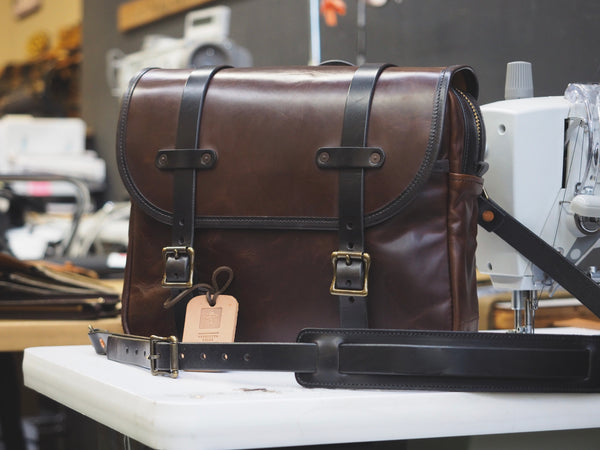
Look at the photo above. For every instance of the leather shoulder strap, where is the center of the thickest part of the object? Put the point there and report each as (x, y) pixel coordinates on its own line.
(494, 219)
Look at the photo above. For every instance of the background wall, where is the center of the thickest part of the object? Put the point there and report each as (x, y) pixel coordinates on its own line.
(558, 36)
(52, 16)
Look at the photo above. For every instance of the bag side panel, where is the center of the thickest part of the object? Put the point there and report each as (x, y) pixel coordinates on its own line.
(143, 296)
(410, 264)
(462, 242)
(462, 144)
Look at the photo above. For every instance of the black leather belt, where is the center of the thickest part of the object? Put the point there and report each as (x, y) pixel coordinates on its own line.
(384, 359)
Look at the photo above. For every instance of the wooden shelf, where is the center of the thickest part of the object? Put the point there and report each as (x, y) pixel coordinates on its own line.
(17, 335)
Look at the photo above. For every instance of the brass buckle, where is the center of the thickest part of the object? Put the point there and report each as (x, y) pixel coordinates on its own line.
(349, 256)
(173, 370)
(178, 252)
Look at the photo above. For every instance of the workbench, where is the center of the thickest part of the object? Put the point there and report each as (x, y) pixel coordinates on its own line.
(261, 409)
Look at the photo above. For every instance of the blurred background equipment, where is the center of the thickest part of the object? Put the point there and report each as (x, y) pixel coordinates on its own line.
(205, 42)
(543, 169)
(49, 181)
(46, 84)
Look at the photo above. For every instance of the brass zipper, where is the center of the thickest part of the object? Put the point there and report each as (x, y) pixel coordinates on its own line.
(475, 112)
(473, 158)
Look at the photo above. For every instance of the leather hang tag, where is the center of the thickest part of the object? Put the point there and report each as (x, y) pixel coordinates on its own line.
(206, 323)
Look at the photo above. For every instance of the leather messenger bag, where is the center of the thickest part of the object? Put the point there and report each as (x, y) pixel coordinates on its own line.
(344, 201)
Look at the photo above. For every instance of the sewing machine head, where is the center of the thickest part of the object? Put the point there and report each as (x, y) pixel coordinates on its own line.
(543, 169)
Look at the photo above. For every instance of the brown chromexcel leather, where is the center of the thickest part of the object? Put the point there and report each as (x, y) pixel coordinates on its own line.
(271, 214)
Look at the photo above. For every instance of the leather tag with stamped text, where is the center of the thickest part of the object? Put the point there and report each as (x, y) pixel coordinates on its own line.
(205, 323)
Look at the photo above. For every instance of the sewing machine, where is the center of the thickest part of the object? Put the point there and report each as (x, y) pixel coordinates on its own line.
(543, 159)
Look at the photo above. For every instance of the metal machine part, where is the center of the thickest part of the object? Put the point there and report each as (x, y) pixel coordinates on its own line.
(543, 169)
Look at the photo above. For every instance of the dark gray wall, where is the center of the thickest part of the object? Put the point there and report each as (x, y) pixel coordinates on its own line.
(559, 37)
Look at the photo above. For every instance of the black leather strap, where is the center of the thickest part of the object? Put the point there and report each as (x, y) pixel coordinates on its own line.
(179, 257)
(385, 359)
(494, 219)
(350, 267)
(398, 359)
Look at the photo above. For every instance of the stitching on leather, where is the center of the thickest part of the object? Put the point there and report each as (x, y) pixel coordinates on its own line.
(123, 168)
(533, 386)
(426, 166)
(491, 336)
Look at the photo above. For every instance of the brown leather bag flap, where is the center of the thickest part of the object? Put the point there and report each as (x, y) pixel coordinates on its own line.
(266, 127)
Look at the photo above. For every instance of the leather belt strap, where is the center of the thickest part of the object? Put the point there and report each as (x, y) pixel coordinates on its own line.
(385, 359)
(179, 257)
(350, 262)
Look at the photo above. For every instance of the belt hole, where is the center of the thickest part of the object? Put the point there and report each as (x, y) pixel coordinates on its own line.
(224, 356)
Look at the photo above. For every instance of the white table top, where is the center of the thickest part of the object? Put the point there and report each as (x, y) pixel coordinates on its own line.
(261, 409)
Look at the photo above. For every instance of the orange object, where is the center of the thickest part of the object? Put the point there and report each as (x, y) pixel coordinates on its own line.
(487, 216)
(330, 10)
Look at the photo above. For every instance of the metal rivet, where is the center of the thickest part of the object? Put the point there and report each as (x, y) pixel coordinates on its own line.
(206, 159)
(163, 160)
(324, 157)
(487, 216)
(375, 158)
